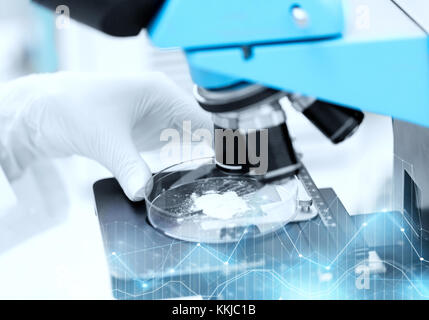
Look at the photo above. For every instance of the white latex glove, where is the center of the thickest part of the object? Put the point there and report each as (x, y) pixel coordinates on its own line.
(108, 118)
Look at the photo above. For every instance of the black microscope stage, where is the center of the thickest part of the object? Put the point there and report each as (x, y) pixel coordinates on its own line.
(375, 256)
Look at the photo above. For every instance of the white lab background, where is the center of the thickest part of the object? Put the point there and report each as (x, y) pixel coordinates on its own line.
(50, 241)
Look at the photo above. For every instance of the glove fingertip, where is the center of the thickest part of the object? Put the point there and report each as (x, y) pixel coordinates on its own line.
(137, 182)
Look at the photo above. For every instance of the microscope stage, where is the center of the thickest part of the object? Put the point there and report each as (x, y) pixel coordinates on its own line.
(304, 259)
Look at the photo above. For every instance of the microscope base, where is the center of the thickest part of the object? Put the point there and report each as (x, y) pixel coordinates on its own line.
(360, 257)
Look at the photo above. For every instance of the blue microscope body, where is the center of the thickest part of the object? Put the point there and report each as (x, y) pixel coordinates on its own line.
(361, 54)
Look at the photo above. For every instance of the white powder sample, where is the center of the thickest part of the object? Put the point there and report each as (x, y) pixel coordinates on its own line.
(220, 206)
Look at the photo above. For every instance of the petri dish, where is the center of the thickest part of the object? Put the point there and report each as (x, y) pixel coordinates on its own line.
(198, 202)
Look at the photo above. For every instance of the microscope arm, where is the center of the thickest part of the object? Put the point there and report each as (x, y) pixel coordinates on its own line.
(381, 66)
(378, 61)
(366, 54)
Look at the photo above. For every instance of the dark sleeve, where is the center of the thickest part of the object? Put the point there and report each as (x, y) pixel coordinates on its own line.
(114, 17)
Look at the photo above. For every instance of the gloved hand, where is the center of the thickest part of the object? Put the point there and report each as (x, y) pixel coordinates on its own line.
(107, 118)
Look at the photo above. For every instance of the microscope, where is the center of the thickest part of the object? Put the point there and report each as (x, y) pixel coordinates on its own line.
(332, 59)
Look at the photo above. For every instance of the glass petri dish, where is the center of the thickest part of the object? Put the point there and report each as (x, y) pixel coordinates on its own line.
(195, 201)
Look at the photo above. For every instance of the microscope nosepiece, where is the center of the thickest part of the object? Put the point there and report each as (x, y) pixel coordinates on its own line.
(251, 135)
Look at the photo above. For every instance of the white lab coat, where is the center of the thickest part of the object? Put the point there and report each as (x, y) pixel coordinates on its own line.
(50, 241)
